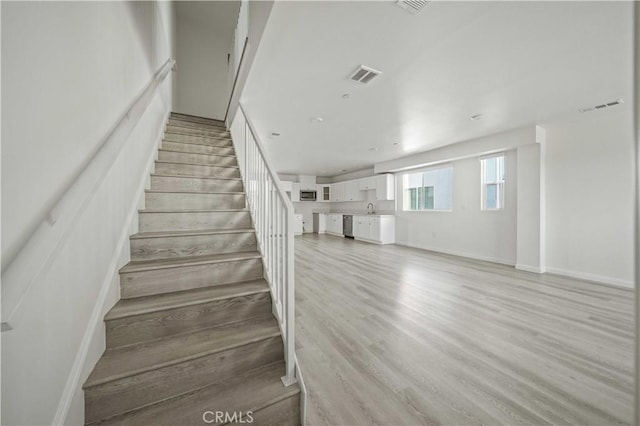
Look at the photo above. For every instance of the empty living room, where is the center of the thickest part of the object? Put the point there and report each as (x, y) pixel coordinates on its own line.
(349, 213)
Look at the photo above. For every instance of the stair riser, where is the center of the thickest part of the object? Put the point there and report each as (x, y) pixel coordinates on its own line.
(210, 160)
(282, 413)
(188, 201)
(129, 393)
(166, 183)
(197, 132)
(154, 222)
(155, 325)
(192, 125)
(199, 140)
(195, 245)
(157, 281)
(196, 170)
(197, 148)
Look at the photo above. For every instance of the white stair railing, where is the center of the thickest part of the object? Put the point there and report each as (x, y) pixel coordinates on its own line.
(272, 214)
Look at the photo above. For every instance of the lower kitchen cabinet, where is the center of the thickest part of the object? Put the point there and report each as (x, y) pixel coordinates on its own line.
(334, 224)
(375, 229)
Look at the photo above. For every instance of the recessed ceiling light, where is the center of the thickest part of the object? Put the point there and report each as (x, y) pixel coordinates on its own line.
(275, 134)
(396, 143)
(374, 148)
(317, 120)
(346, 96)
(476, 117)
(343, 170)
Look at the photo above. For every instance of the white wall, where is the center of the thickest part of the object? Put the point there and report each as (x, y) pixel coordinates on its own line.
(589, 196)
(466, 230)
(202, 69)
(69, 72)
(259, 12)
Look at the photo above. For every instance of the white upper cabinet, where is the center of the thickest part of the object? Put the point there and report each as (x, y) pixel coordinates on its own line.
(367, 183)
(323, 193)
(385, 187)
(337, 192)
(307, 183)
(352, 191)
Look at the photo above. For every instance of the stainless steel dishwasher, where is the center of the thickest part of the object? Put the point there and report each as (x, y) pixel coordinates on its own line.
(347, 225)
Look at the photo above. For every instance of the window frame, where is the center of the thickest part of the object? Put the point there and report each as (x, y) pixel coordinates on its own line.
(500, 183)
(424, 170)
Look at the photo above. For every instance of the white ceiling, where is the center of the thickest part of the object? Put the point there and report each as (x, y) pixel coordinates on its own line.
(518, 63)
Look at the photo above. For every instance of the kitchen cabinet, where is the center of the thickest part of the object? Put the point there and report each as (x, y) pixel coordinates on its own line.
(324, 193)
(337, 192)
(307, 183)
(362, 227)
(352, 191)
(367, 183)
(375, 229)
(385, 187)
(334, 224)
(295, 192)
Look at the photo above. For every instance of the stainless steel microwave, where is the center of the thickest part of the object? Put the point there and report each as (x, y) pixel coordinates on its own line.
(307, 195)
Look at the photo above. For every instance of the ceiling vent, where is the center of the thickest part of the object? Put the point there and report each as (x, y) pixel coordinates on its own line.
(364, 74)
(602, 106)
(412, 6)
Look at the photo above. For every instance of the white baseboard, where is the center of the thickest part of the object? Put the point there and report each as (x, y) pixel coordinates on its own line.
(601, 279)
(530, 268)
(457, 253)
(75, 380)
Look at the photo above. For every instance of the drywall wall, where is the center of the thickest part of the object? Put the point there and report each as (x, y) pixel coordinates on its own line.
(202, 69)
(465, 230)
(259, 12)
(530, 248)
(69, 72)
(589, 196)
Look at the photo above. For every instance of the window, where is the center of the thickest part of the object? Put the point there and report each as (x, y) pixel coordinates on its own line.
(492, 176)
(430, 190)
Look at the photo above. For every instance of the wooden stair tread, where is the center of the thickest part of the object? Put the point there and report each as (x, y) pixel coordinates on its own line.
(194, 177)
(196, 164)
(189, 233)
(191, 210)
(147, 265)
(175, 114)
(155, 303)
(223, 134)
(255, 390)
(191, 135)
(196, 126)
(196, 153)
(161, 191)
(130, 360)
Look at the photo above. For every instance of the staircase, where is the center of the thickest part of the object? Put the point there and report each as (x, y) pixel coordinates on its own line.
(193, 334)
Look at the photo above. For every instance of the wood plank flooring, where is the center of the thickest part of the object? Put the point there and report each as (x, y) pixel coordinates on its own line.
(388, 335)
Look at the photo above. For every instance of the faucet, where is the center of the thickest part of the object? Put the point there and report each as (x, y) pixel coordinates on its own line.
(372, 209)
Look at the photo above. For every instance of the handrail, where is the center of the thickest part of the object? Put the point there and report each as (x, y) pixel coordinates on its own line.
(235, 80)
(272, 214)
(80, 188)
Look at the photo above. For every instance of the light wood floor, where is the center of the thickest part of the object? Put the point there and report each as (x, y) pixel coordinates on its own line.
(388, 335)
